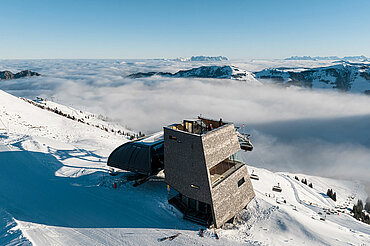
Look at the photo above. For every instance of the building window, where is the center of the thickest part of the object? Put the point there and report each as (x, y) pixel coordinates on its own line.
(173, 137)
(241, 181)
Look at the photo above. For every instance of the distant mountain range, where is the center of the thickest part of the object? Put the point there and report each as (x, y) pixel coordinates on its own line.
(5, 75)
(318, 58)
(352, 77)
(202, 58)
(345, 76)
(214, 72)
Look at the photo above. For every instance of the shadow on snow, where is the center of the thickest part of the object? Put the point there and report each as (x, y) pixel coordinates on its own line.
(31, 192)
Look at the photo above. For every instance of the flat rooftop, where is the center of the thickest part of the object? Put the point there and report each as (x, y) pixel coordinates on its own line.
(198, 125)
(152, 139)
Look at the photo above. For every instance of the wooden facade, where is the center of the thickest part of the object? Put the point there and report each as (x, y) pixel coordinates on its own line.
(198, 165)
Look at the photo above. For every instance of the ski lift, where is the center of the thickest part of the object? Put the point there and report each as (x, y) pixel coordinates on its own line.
(244, 142)
(277, 188)
(254, 176)
(246, 146)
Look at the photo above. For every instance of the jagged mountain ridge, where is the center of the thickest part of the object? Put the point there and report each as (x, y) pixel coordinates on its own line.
(353, 77)
(214, 72)
(6, 75)
(202, 58)
(345, 76)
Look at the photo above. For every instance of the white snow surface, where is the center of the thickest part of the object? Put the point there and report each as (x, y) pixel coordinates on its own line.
(55, 190)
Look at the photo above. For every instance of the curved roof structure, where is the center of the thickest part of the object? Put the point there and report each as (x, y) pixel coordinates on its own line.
(144, 156)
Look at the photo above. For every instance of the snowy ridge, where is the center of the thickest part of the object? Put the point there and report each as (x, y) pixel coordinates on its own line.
(24, 119)
(58, 191)
(202, 58)
(352, 77)
(98, 121)
(320, 58)
(214, 72)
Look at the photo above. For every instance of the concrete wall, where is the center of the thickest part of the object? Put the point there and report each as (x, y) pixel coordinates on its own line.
(220, 144)
(228, 199)
(184, 164)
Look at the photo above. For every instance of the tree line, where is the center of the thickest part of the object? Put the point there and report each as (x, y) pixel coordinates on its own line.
(359, 211)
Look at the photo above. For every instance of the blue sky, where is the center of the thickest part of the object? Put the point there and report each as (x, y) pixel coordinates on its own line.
(173, 28)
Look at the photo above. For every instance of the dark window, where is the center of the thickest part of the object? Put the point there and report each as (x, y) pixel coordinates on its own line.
(241, 181)
(173, 137)
(202, 207)
(192, 204)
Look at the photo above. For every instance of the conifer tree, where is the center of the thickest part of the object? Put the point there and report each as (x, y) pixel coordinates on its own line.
(329, 193)
(367, 206)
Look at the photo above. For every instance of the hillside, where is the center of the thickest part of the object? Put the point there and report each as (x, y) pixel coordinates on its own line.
(55, 190)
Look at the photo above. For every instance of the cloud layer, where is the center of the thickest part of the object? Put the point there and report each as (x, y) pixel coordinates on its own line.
(318, 132)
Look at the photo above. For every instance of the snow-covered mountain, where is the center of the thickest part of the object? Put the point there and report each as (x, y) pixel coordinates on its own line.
(214, 72)
(320, 58)
(345, 76)
(202, 58)
(55, 190)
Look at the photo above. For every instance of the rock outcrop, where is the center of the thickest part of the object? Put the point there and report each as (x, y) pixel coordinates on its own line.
(6, 75)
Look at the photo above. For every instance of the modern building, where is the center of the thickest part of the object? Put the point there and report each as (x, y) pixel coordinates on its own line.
(208, 184)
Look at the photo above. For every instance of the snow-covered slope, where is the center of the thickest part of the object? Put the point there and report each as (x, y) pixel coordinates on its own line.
(345, 76)
(294, 216)
(55, 190)
(87, 118)
(10, 234)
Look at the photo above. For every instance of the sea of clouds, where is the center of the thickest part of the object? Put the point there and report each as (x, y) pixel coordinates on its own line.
(320, 132)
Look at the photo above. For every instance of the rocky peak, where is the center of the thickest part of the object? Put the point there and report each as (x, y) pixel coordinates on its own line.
(6, 75)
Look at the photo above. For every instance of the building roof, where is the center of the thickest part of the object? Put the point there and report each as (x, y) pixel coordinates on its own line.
(198, 126)
(137, 156)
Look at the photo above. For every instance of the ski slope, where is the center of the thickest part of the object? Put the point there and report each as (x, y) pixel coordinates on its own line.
(56, 190)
